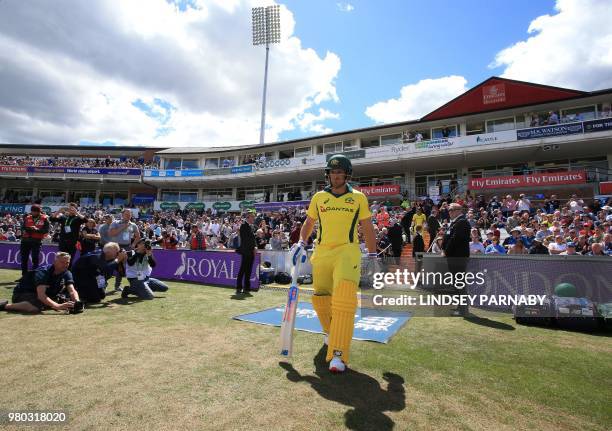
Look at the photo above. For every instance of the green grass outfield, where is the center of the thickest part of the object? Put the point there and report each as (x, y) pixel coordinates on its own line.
(181, 363)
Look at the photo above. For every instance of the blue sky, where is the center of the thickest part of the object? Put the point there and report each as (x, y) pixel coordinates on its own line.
(183, 73)
(384, 45)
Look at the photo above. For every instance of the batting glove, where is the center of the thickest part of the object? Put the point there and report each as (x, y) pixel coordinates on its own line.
(298, 252)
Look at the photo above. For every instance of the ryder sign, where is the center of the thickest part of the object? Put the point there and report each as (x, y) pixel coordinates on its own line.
(529, 180)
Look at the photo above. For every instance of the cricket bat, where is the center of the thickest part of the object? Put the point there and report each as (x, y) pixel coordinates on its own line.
(288, 322)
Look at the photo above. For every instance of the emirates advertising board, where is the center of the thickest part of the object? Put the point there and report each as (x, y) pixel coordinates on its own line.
(529, 180)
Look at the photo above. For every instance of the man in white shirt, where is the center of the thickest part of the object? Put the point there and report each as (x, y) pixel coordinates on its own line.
(524, 204)
(558, 246)
(214, 227)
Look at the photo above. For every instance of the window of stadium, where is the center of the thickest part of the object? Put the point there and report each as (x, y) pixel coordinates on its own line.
(349, 145)
(214, 194)
(295, 191)
(212, 163)
(378, 180)
(391, 139)
(83, 197)
(78, 194)
(543, 118)
(578, 114)
(500, 124)
(113, 198)
(420, 135)
(333, 147)
(444, 132)
(303, 151)
(475, 128)
(18, 195)
(179, 195)
(596, 167)
(190, 164)
(497, 170)
(521, 121)
(370, 142)
(285, 154)
(52, 196)
(604, 110)
(552, 166)
(172, 164)
(256, 193)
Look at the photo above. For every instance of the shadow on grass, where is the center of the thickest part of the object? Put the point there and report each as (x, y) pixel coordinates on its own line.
(240, 296)
(367, 399)
(127, 301)
(483, 321)
(602, 329)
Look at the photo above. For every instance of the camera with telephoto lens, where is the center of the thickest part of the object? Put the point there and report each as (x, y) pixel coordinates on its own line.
(78, 307)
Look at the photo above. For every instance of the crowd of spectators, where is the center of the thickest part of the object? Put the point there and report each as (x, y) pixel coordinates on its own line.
(77, 162)
(516, 226)
(499, 226)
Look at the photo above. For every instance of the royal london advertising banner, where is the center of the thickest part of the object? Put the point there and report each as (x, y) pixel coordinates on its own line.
(205, 267)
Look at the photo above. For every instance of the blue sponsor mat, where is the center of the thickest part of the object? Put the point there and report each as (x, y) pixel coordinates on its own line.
(377, 325)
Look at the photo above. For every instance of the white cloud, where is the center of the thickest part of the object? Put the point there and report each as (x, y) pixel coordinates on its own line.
(309, 122)
(572, 48)
(72, 70)
(345, 7)
(417, 99)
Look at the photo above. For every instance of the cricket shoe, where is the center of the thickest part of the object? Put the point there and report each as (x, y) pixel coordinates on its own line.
(336, 365)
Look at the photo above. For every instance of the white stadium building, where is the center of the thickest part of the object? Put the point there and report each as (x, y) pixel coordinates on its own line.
(500, 137)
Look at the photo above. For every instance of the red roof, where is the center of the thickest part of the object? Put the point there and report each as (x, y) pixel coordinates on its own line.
(500, 93)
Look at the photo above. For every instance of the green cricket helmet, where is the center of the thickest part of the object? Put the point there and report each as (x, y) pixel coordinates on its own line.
(339, 161)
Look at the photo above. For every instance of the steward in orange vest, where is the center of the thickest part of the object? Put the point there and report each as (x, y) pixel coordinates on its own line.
(34, 229)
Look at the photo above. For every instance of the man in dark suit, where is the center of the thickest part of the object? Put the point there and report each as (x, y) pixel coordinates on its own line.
(433, 226)
(247, 249)
(395, 236)
(456, 246)
(406, 221)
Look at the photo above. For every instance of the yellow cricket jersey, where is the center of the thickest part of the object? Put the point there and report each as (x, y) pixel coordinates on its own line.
(337, 216)
(419, 220)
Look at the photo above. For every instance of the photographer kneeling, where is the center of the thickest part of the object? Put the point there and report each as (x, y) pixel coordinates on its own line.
(140, 264)
(92, 271)
(46, 288)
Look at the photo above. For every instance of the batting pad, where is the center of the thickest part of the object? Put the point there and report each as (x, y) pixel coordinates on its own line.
(376, 325)
(344, 305)
(323, 309)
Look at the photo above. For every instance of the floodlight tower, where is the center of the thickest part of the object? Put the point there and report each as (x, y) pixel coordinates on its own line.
(266, 30)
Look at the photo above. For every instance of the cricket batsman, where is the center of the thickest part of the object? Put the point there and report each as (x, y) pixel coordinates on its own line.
(336, 261)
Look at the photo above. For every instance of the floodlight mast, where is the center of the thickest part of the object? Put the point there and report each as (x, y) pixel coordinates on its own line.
(266, 30)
